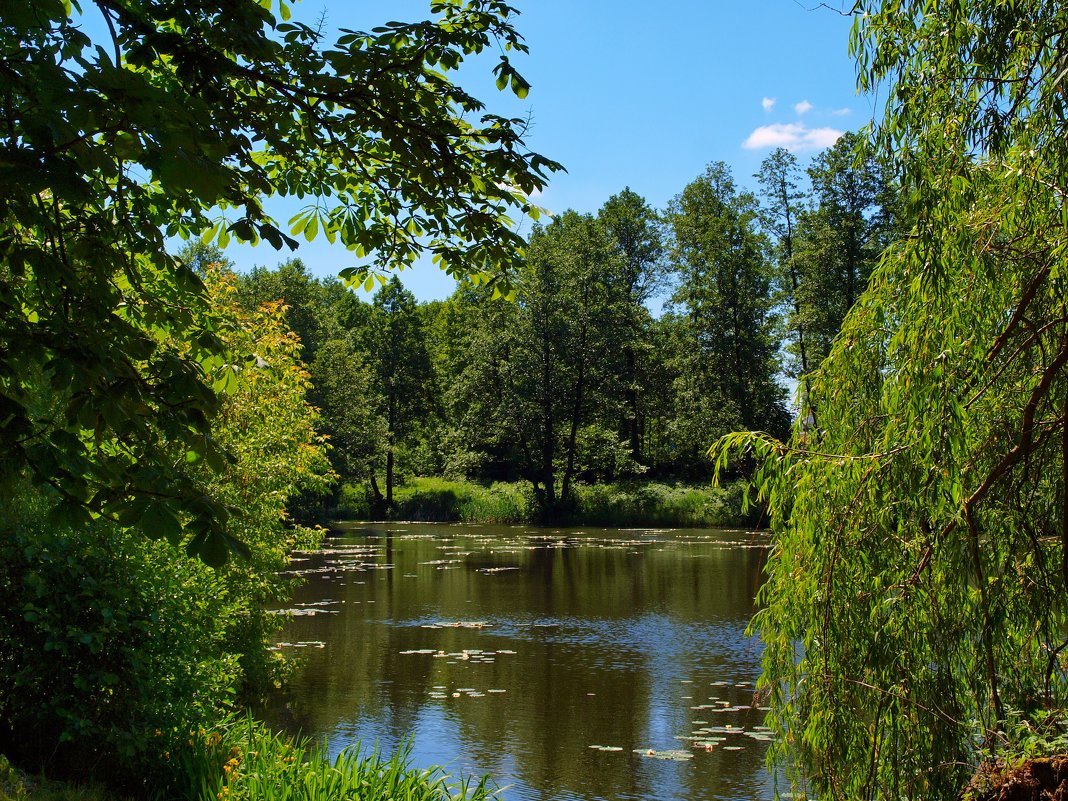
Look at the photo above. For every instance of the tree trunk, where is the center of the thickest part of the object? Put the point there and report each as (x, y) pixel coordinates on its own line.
(389, 476)
(377, 504)
(580, 390)
(548, 478)
(390, 438)
(631, 381)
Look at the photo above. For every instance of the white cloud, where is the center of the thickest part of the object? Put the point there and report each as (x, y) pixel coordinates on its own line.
(802, 107)
(794, 136)
(768, 103)
(842, 112)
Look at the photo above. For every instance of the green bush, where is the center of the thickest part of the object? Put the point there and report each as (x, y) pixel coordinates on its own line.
(353, 503)
(115, 643)
(110, 643)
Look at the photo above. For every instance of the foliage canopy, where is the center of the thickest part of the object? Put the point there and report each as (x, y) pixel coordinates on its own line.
(179, 122)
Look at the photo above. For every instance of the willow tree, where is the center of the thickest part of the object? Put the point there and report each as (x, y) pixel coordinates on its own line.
(915, 607)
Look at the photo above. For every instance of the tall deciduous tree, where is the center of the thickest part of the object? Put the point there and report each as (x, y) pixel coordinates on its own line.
(724, 294)
(542, 372)
(335, 331)
(476, 338)
(403, 375)
(180, 120)
(784, 203)
(839, 240)
(637, 232)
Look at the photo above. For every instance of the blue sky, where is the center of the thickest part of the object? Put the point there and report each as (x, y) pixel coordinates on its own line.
(643, 95)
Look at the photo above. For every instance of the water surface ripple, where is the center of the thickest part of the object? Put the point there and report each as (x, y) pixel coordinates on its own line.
(570, 664)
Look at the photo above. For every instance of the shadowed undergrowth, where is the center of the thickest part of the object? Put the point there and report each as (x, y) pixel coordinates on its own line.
(618, 504)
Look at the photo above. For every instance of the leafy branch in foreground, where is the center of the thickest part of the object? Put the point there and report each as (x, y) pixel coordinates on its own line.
(109, 145)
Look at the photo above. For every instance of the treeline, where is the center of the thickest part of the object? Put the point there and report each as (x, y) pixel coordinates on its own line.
(577, 381)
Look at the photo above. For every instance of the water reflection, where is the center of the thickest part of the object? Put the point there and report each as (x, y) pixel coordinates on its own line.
(512, 651)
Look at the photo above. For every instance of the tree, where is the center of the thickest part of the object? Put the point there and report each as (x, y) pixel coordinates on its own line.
(403, 375)
(335, 332)
(540, 378)
(343, 390)
(638, 235)
(305, 303)
(784, 203)
(917, 594)
(118, 634)
(839, 240)
(724, 292)
(95, 175)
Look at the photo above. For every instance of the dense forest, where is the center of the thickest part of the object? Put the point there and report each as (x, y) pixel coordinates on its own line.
(166, 424)
(575, 380)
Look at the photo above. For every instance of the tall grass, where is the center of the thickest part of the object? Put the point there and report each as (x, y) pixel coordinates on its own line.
(242, 760)
(441, 500)
(621, 504)
(656, 504)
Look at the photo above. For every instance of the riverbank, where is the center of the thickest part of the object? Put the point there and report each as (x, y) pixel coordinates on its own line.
(626, 504)
(242, 760)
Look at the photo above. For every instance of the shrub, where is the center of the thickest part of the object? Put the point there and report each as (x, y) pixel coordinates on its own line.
(116, 643)
(110, 643)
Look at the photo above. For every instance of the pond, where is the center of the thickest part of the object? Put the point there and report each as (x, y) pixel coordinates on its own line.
(566, 663)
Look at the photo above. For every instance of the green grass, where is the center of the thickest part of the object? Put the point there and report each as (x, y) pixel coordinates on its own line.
(656, 504)
(441, 500)
(621, 504)
(244, 761)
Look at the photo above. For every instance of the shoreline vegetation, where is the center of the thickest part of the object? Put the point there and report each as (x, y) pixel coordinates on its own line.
(242, 760)
(619, 504)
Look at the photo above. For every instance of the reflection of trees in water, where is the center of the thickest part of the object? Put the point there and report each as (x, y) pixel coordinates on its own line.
(630, 620)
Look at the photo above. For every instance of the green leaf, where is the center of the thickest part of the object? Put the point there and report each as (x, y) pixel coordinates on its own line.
(210, 547)
(159, 521)
(519, 86)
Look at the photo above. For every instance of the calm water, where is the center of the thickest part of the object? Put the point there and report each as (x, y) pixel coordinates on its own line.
(514, 650)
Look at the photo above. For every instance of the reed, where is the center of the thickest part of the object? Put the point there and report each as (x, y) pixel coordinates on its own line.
(242, 760)
(625, 504)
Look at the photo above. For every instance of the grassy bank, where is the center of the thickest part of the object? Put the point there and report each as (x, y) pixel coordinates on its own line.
(241, 760)
(619, 504)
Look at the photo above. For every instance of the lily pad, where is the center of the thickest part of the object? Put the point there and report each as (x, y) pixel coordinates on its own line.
(671, 754)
